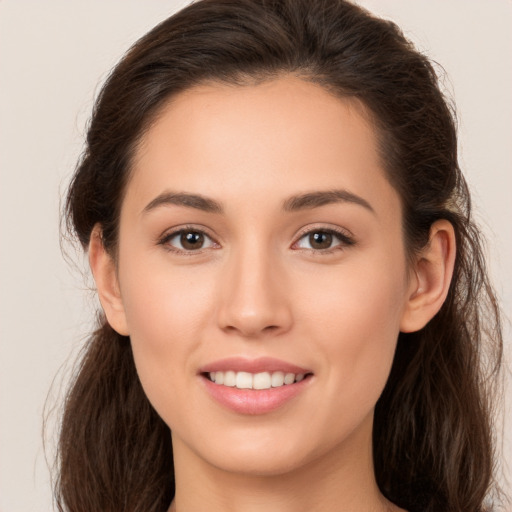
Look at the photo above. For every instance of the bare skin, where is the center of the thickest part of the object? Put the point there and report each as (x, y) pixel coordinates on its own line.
(259, 223)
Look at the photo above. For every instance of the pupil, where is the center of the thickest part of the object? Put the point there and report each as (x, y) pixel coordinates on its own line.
(320, 240)
(192, 240)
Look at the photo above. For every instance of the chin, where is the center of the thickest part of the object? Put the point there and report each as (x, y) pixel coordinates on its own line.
(265, 453)
(263, 465)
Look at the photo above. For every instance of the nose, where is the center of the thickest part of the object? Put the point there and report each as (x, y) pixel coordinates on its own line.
(254, 302)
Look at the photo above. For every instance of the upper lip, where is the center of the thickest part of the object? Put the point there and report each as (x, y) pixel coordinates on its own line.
(258, 365)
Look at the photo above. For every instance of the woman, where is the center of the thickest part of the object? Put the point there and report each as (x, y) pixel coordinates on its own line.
(296, 308)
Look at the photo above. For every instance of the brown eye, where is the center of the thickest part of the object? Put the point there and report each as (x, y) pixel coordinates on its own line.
(320, 240)
(188, 240)
(191, 240)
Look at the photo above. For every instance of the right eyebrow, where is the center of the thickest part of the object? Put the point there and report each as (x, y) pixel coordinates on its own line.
(184, 199)
(319, 198)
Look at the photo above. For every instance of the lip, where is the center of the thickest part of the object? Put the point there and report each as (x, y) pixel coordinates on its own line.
(261, 364)
(253, 401)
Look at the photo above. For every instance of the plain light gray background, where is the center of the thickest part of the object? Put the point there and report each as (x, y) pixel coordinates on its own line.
(53, 55)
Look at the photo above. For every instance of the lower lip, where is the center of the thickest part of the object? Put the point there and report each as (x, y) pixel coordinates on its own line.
(254, 401)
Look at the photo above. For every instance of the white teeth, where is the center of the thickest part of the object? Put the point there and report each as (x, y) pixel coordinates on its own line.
(289, 378)
(243, 380)
(262, 380)
(277, 379)
(229, 378)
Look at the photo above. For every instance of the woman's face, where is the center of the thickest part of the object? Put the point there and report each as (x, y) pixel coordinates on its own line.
(260, 236)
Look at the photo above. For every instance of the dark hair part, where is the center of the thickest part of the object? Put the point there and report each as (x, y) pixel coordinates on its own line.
(433, 436)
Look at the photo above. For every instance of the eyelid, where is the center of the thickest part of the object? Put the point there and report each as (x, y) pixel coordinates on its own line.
(345, 237)
(175, 231)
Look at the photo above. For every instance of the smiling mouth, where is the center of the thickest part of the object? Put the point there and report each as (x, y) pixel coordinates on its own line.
(256, 381)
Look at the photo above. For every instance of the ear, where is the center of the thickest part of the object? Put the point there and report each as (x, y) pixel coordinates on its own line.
(104, 271)
(432, 274)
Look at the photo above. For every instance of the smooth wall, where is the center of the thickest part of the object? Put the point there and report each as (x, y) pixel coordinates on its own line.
(53, 56)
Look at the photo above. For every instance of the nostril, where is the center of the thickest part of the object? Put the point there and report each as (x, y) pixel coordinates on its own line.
(250, 329)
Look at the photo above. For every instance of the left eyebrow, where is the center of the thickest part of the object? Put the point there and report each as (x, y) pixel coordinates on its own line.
(195, 201)
(321, 198)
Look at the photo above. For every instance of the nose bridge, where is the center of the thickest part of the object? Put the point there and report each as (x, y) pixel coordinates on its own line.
(253, 302)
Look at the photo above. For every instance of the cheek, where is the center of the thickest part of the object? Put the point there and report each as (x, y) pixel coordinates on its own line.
(365, 294)
(162, 301)
(355, 319)
(166, 312)
(156, 312)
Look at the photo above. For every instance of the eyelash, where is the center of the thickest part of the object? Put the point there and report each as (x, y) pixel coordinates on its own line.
(344, 239)
(186, 229)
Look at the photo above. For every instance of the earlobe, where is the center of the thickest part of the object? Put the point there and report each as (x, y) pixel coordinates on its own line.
(432, 277)
(104, 271)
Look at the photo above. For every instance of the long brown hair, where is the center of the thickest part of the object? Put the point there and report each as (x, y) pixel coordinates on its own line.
(433, 432)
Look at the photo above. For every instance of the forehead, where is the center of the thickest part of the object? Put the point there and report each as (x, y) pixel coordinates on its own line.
(279, 137)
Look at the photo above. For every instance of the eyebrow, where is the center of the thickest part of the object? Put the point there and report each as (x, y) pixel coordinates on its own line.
(184, 199)
(306, 201)
(321, 198)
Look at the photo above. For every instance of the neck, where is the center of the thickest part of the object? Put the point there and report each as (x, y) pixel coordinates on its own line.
(343, 479)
